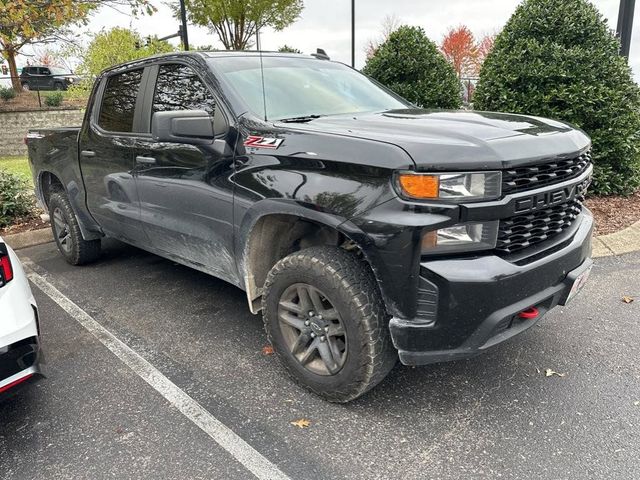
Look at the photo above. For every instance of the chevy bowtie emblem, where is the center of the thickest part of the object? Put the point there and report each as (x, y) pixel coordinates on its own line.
(262, 142)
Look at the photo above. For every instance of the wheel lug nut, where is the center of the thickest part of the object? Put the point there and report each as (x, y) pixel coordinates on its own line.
(320, 317)
(307, 323)
(322, 338)
(311, 314)
(326, 329)
(313, 335)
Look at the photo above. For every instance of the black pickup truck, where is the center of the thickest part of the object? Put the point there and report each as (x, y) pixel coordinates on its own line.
(364, 228)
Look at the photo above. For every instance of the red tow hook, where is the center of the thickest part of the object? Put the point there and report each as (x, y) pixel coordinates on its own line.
(529, 314)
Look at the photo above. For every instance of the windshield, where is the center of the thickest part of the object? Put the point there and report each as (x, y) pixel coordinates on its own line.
(302, 87)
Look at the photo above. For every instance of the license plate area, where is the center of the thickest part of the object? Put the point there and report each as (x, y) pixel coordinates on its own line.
(578, 279)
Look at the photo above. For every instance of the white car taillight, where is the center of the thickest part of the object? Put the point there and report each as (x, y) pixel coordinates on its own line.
(6, 271)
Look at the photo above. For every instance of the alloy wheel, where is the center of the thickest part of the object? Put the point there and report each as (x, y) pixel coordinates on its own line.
(63, 233)
(312, 329)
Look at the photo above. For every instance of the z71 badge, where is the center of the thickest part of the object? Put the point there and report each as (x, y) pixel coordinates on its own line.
(262, 142)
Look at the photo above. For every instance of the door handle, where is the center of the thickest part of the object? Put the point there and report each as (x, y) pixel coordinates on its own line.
(145, 160)
(87, 153)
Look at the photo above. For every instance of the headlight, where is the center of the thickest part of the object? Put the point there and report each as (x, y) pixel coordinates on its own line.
(464, 237)
(452, 187)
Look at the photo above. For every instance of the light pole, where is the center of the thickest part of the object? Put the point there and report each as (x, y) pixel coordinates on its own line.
(625, 25)
(183, 30)
(353, 33)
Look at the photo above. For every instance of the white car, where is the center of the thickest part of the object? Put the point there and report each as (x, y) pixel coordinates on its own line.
(19, 345)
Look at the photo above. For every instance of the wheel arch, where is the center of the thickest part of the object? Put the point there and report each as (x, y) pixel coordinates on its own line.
(48, 183)
(273, 229)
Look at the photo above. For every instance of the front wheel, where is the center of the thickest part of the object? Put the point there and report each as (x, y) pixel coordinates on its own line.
(327, 324)
(66, 232)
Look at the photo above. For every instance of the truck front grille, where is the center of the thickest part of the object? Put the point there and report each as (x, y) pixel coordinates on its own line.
(522, 231)
(535, 176)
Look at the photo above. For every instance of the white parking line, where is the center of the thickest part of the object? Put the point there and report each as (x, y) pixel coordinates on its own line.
(244, 453)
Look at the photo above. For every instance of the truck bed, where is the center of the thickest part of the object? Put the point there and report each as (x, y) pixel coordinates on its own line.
(53, 150)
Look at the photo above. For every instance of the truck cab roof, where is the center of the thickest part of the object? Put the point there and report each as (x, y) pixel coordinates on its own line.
(207, 54)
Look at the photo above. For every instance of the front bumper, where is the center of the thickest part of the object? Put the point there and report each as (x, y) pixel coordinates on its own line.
(467, 305)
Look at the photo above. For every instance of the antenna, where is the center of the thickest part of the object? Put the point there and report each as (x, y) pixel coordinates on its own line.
(264, 94)
(321, 54)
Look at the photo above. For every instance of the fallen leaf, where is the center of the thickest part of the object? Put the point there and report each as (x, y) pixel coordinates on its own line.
(267, 350)
(302, 423)
(548, 373)
(627, 299)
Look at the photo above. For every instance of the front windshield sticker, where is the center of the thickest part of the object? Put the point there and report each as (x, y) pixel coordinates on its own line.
(262, 142)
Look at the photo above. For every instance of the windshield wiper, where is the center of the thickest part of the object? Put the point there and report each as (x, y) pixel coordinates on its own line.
(303, 119)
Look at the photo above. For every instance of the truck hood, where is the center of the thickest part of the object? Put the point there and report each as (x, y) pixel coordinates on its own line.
(459, 139)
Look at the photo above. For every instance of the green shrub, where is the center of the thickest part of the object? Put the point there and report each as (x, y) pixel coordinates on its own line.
(54, 99)
(79, 91)
(412, 66)
(287, 49)
(16, 200)
(7, 93)
(559, 59)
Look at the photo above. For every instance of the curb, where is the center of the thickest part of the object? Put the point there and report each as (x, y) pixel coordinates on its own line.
(30, 238)
(618, 243)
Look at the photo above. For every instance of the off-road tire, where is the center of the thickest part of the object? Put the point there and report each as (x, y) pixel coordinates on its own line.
(352, 289)
(81, 251)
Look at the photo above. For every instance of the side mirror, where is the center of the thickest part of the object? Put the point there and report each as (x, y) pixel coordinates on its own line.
(183, 126)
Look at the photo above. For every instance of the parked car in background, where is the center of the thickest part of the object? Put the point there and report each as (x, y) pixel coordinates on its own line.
(43, 77)
(19, 345)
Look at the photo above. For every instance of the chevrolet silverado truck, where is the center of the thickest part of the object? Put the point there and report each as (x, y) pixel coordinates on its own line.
(365, 229)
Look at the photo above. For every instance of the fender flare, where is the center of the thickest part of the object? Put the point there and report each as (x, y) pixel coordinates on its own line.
(76, 199)
(291, 207)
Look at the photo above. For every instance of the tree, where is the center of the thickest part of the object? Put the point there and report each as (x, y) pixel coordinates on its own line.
(412, 66)
(483, 49)
(54, 55)
(467, 55)
(237, 21)
(459, 47)
(44, 21)
(560, 60)
(389, 25)
(46, 58)
(118, 45)
(287, 49)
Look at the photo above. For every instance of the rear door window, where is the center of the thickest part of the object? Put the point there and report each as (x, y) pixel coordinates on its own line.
(119, 101)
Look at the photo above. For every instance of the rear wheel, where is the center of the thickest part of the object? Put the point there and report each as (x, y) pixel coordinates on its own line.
(66, 232)
(327, 324)
(25, 86)
(58, 86)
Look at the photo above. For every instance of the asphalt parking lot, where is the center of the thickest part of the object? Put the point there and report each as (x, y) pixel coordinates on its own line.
(495, 416)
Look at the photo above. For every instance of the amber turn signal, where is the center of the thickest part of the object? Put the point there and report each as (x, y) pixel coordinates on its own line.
(419, 186)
